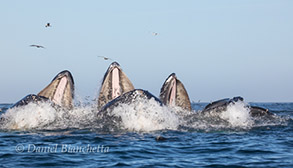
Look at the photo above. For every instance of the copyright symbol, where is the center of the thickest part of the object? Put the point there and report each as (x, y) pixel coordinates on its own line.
(19, 148)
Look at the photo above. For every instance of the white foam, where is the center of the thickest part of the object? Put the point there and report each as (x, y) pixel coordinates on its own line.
(140, 116)
(30, 116)
(237, 114)
(145, 116)
(45, 116)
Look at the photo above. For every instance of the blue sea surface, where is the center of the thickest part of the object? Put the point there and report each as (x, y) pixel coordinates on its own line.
(196, 142)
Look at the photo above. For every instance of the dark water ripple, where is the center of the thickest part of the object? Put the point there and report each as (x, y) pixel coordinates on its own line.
(260, 146)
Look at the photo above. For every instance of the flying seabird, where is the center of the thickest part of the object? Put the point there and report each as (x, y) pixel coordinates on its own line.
(38, 46)
(48, 25)
(105, 58)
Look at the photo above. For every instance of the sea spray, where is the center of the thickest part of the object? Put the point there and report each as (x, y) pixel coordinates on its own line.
(146, 115)
(237, 114)
(234, 117)
(45, 116)
(80, 117)
(143, 115)
(29, 116)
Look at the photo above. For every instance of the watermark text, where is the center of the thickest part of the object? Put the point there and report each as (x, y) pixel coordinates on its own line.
(61, 148)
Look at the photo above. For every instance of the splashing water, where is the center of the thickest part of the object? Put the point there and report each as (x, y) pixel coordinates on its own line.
(146, 115)
(30, 116)
(237, 114)
(45, 116)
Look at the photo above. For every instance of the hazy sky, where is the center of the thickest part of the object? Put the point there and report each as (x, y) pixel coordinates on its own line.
(217, 48)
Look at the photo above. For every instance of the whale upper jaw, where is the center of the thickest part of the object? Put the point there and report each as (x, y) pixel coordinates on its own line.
(61, 90)
(173, 93)
(115, 83)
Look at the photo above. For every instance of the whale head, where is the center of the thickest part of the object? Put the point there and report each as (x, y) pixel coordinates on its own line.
(115, 83)
(61, 90)
(173, 93)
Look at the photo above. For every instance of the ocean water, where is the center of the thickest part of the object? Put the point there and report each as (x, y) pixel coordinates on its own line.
(148, 135)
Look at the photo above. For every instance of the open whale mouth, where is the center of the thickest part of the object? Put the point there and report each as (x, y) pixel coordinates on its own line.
(169, 90)
(115, 83)
(173, 93)
(112, 78)
(115, 71)
(60, 90)
(172, 89)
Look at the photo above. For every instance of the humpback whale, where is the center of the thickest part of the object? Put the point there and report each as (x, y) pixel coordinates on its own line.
(116, 90)
(59, 92)
(221, 105)
(115, 83)
(173, 93)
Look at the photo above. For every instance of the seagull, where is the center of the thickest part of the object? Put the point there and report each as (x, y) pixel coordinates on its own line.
(105, 58)
(38, 46)
(48, 25)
